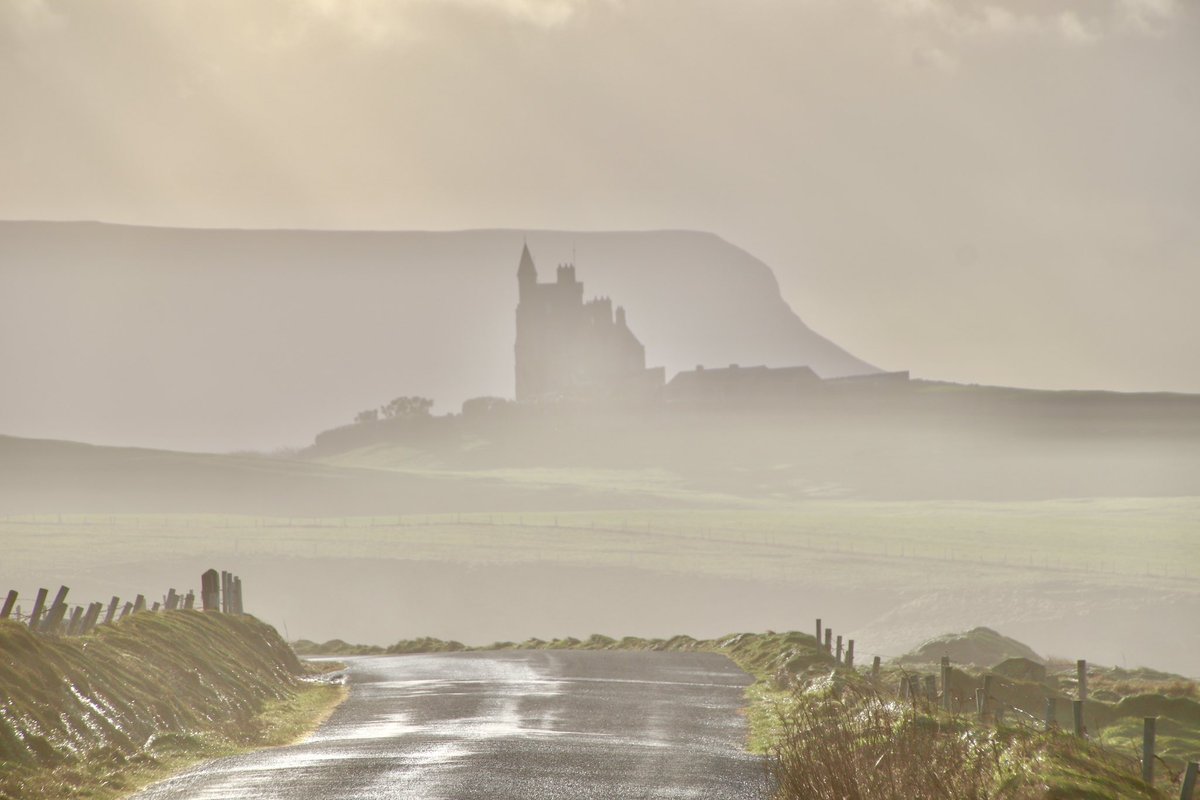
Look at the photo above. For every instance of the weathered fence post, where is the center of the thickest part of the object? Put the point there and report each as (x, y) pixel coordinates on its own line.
(1051, 713)
(945, 683)
(988, 682)
(172, 600)
(818, 631)
(1148, 730)
(850, 654)
(1189, 781)
(112, 609)
(189, 600)
(57, 610)
(1081, 672)
(76, 622)
(154, 608)
(875, 668)
(91, 616)
(224, 592)
(237, 589)
(829, 641)
(1077, 710)
(931, 689)
(127, 610)
(139, 604)
(9, 602)
(210, 591)
(35, 618)
(979, 703)
(838, 657)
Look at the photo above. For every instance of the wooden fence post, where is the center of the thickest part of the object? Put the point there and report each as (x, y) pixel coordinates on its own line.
(875, 668)
(931, 689)
(237, 595)
(127, 610)
(189, 600)
(112, 609)
(1148, 731)
(818, 631)
(91, 617)
(1188, 790)
(838, 657)
(1077, 711)
(9, 602)
(57, 611)
(139, 604)
(172, 601)
(224, 592)
(210, 591)
(76, 623)
(945, 683)
(1081, 674)
(1051, 713)
(850, 654)
(154, 608)
(35, 618)
(829, 641)
(988, 705)
(979, 702)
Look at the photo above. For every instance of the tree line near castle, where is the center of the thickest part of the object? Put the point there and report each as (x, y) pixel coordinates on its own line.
(399, 408)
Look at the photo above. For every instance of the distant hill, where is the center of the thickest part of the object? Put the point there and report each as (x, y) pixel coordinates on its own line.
(226, 339)
(921, 442)
(44, 476)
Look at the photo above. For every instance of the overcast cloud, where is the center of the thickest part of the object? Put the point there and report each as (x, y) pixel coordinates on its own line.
(1001, 192)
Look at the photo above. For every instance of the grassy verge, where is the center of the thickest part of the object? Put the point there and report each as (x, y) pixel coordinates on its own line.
(102, 715)
(848, 739)
(107, 776)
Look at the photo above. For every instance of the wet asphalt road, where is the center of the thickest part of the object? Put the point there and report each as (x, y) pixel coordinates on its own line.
(524, 724)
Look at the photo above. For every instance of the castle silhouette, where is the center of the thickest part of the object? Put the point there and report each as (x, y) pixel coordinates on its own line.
(567, 348)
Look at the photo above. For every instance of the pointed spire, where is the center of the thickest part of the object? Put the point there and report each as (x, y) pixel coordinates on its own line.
(526, 272)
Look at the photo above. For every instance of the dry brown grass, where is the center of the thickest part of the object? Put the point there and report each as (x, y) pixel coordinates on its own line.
(855, 745)
(850, 742)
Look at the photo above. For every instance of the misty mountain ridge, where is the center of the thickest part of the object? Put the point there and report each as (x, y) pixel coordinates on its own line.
(153, 325)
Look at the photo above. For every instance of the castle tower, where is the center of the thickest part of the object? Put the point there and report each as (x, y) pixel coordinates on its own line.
(568, 349)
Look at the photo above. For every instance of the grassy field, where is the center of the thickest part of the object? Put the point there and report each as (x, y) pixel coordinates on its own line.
(1144, 541)
(1109, 579)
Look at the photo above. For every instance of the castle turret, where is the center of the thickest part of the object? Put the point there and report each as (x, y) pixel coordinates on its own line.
(566, 273)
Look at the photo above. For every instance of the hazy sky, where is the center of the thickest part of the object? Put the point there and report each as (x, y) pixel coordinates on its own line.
(997, 192)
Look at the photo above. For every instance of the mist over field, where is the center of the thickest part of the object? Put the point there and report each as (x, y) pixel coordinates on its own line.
(745, 495)
(494, 319)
